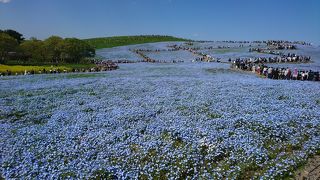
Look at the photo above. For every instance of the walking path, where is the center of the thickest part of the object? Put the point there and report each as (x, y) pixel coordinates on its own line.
(311, 171)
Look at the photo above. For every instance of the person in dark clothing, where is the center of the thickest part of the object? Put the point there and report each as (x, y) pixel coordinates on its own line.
(316, 76)
(274, 74)
(299, 75)
(311, 75)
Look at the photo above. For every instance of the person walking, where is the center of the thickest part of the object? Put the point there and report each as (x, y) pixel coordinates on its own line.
(270, 73)
(295, 74)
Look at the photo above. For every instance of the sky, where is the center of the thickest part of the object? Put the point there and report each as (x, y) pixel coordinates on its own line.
(193, 19)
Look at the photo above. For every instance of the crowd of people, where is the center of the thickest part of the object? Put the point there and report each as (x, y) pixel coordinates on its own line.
(283, 58)
(240, 42)
(124, 61)
(276, 73)
(257, 64)
(148, 59)
(281, 46)
(153, 50)
(276, 42)
(105, 66)
(264, 42)
(266, 51)
(203, 57)
(206, 58)
(176, 47)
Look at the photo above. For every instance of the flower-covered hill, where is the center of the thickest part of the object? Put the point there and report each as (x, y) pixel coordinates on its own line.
(187, 120)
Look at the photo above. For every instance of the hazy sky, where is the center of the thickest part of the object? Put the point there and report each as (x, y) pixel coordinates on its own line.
(195, 19)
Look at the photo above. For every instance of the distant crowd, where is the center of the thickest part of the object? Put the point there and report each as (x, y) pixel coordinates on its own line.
(105, 66)
(202, 56)
(150, 60)
(206, 58)
(280, 46)
(145, 57)
(270, 42)
(276, 73)
(276, 42)
(153, 50)
(186, 48)
(282, 58)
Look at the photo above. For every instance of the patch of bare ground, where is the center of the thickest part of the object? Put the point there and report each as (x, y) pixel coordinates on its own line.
(311, 170)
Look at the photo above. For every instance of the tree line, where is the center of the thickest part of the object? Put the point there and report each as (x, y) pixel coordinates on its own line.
(53, 50)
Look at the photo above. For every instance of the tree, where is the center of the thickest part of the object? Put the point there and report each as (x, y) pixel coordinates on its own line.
(34, 49)
(16, 35)
(7, 44)
(74, 50)
(53, 47)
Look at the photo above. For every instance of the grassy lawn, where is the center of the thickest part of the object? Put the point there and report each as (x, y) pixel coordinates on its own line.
(22, 68)
(108, 42)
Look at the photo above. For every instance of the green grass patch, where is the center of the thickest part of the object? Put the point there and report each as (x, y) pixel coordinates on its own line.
(20, 69)
(102, 174)
(79, 66)
(182, 108)
(248, 170)
(282, 97)
(67, 175)
(134, 148)
(41, 120)
(165, 136)
(69, 92)
(13, 116)
(88, 110)
(81, 103)
(109, 42)
(213, 115)
(148, 157)
(178, 142)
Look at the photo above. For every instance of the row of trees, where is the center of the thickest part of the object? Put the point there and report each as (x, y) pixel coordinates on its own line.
(53, 50)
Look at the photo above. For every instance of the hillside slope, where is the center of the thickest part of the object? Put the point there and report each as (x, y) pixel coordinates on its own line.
(108, 42)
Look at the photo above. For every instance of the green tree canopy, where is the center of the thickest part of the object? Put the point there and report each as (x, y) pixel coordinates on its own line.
(16, 35)
(34, 49)
(7, 44)
(75, 49)
(53, 50)
(53, 46)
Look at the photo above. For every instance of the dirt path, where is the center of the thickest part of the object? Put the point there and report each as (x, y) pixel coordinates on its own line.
(311, 171)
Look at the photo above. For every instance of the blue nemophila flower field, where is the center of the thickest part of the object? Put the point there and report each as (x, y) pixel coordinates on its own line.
(184, 120)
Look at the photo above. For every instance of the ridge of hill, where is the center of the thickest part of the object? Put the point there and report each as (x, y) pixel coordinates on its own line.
(109, 42)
